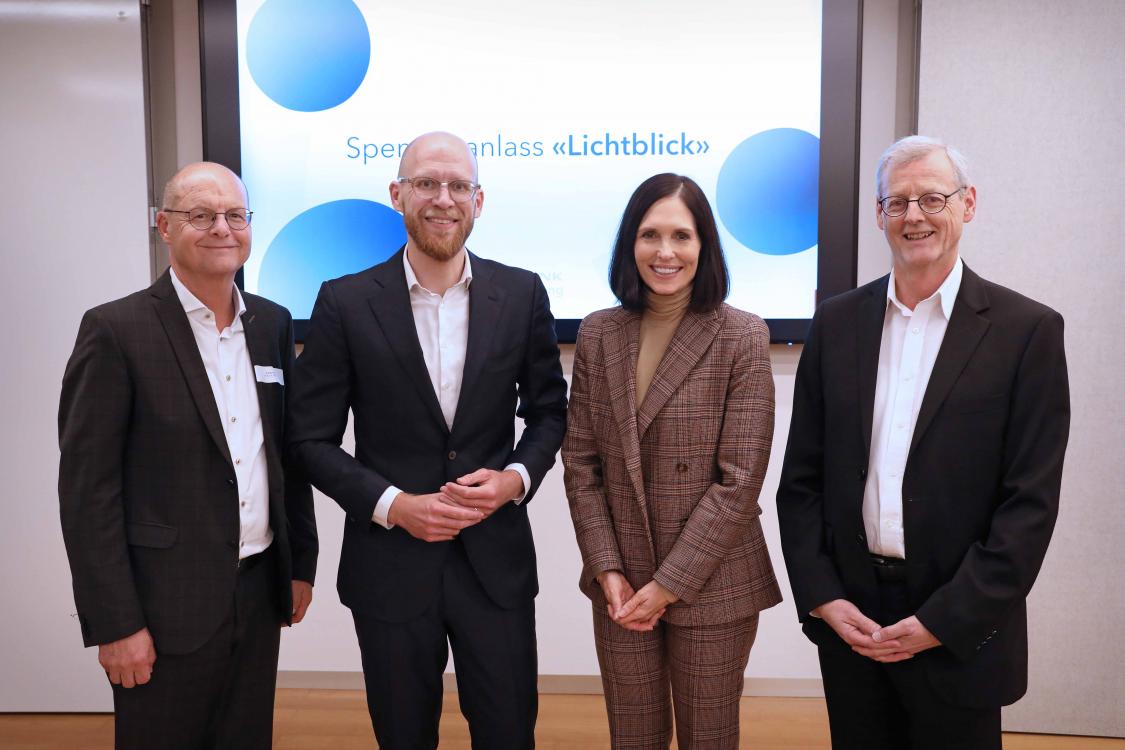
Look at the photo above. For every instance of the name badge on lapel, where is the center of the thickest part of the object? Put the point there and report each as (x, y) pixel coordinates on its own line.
(266, 374)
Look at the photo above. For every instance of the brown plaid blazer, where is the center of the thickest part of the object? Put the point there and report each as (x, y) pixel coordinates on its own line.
(669, 491)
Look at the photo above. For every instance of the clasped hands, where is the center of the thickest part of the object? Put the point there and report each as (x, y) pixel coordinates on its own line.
(634, 610)
(867, 638)
(440, 516)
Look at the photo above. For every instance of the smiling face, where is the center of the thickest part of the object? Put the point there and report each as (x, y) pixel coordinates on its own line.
(438, 226)
(204, 256)
(667, 247)
(923, 243)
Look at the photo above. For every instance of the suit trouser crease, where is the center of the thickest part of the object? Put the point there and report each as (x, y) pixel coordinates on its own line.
(494, 653)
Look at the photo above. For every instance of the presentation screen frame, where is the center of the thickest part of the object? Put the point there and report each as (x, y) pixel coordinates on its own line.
(837, 223)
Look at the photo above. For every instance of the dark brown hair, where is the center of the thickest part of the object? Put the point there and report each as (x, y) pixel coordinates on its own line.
(711, 282)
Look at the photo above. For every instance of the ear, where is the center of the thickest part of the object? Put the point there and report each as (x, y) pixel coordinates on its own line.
(880, 218)
(394, 189)
(478, 203)
(162, 227)
(970, 196)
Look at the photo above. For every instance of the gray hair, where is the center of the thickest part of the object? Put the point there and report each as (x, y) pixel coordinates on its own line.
(915, 147)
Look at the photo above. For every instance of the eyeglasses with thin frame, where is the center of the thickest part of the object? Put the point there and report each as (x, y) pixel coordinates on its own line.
(428, 188)
(204, 218)
(930, 203)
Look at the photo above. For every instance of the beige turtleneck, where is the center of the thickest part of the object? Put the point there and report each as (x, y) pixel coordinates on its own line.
(661, 317)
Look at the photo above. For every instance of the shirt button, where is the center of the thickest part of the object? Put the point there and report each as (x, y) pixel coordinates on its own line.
(234, 419)
(238, 461)
(228, 378)
(243, 503)
(452, 455)
(915, 330)
(207, 315)
(892, 474)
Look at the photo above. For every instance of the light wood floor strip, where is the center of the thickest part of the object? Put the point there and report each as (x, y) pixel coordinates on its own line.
(308, 719)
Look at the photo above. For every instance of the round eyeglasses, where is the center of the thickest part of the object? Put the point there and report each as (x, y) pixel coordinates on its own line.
(428, 188)
(204, 218)
(930, 203)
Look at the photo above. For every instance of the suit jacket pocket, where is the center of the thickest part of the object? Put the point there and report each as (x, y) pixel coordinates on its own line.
(151, 535)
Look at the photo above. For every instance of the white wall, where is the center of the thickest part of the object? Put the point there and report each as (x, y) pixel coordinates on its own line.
(74, 194)
(1031, 91)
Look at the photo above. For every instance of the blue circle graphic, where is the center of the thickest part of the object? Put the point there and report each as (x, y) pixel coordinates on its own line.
(767, 192)
(308, 56)
(326, 241)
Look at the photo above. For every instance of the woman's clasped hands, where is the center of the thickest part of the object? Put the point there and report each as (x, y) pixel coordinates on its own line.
(634, 610)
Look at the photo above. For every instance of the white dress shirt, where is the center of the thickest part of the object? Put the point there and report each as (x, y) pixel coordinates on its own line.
(231, 375)
(442, 323)
(907, 352)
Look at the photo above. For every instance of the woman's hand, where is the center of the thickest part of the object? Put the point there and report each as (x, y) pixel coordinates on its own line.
(644, 608)
(617, 591)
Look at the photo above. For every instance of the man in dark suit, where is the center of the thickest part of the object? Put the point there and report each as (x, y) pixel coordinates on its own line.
(921, 480)
(189, 544)
(435, 352)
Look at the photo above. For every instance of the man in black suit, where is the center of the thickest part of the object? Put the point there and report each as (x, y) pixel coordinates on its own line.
(189, 544)
(435, 352)
(921, 480)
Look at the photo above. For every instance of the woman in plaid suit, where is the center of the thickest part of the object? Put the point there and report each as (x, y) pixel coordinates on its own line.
(670, 428)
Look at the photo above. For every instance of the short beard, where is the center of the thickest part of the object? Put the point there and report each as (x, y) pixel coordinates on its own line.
(439, 250)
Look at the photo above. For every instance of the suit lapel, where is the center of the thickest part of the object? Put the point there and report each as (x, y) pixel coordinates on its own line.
(391, 305)
(691, 340)
(869, 335)
(175, 322)
(619, 347)
(258, 346)
(486, 303)
(962, 336)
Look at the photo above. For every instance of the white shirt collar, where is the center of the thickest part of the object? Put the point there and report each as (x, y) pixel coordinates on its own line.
(412, 278)
(946, 293)
(192, 304)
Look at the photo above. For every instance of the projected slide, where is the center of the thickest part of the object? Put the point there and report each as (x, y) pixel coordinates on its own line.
(569, 106)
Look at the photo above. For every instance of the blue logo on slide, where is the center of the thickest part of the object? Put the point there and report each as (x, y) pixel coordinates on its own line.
(767, 192)
(308, 56)
(326, 241)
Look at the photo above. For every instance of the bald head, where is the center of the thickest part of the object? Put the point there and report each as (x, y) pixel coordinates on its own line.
(440, 145)
(200, 174)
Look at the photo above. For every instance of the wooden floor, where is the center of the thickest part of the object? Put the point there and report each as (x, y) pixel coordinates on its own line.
(337, 720)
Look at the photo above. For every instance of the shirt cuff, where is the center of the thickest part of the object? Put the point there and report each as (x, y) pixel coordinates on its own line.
(522, 471)
(383, 507)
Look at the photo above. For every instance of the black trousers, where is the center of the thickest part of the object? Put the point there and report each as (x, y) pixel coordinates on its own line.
(493, 654)
(874, 706)
(221, 696)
